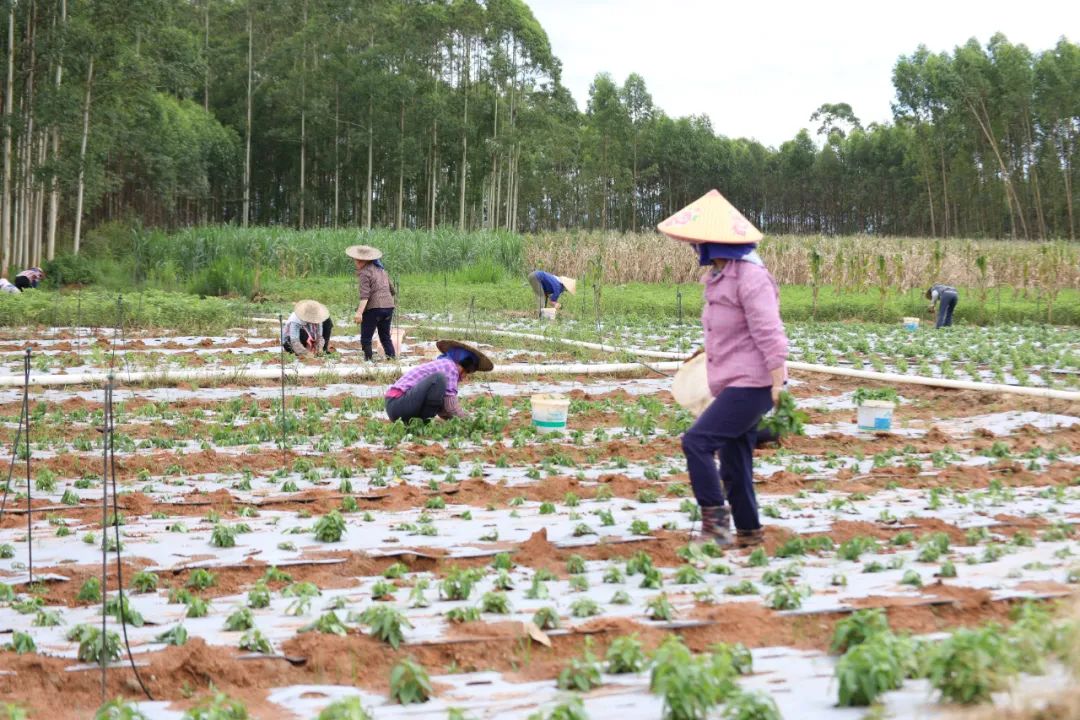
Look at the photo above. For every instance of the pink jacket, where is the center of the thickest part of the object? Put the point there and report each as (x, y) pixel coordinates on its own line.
(744, 336)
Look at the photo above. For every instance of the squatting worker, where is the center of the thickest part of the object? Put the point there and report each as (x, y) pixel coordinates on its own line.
(29, 278)
(376, 309)
(432, 388)
(944, 298)
(746, 352)
(307, 331)
(549, 288)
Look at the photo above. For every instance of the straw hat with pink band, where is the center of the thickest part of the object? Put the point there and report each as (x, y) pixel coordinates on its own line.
(719, 232)
(716, 228)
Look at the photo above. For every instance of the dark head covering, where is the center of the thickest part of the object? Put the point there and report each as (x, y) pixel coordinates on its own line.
(707, 252)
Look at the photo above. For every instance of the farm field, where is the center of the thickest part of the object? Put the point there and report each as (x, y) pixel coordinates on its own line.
(309, 557)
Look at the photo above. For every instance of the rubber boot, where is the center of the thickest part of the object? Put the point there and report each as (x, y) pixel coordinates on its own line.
(749, 538)
(716, 524)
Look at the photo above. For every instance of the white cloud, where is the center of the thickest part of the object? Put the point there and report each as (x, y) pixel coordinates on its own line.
(759, 69)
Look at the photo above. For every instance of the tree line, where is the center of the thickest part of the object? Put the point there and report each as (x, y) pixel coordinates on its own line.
(427, 113)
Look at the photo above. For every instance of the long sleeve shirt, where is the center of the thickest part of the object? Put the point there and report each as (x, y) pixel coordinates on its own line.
(446, 366)
(34, 276)
(374, 284)
(293, 326)
(551, 285)
(938, 290)
(744, 336)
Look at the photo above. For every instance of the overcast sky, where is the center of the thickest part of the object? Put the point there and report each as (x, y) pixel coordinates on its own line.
(760, 68)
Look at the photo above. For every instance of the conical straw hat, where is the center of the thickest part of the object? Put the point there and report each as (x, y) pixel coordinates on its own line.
(311, 311)
(363, 252)
(690, 387)
(569, 283)
(485, 362)
(710, 219)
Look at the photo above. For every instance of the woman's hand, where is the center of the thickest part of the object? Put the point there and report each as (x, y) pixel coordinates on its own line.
(779, 377)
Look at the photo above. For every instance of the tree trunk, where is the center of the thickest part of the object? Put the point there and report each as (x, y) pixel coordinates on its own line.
(337, 150)
(303, 118)
(464, 141)
(54, 183)
(247, 131)
(206, 54)
(400, 215)
(1010, 191)
(370, 162)
(9, 108)
(82, 156)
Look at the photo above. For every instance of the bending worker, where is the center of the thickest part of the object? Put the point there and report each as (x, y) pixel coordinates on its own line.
(376, 309)
(307, 331)
(29, 278)
(432, 388)
(947, 296)
(746, 361)
(549, 288)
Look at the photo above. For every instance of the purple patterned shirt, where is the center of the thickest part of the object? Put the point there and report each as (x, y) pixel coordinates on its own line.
(447, 367)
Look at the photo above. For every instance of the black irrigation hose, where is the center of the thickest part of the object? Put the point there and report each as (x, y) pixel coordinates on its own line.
(106, 409)
(14, 457)
(116, 527)
(281, 350)
(29, 505)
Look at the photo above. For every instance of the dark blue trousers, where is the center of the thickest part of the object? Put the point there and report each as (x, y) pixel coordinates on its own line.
(727, 428)
(947, 303)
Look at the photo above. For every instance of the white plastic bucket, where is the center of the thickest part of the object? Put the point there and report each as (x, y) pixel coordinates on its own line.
(911, 323)
(548, 313)
(549, 412)
(876, 415)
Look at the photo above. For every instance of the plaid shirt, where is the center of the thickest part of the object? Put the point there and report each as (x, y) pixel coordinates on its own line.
(446, 366)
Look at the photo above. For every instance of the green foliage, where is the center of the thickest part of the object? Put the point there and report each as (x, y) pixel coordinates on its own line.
(386, 623)
(745, 705)
(857, 628)
(220, 707)
(785, 419)
(969, 665)
(868, 669)
(581, 674)
(330, 527)
(118, 709)
(691, 686)
(409, 683)
(625, 655)
(90, 592)
(346, 709)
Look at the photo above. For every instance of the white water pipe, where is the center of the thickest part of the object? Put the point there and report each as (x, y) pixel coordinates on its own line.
(340, 371)
(660, 354)
(1048, 393)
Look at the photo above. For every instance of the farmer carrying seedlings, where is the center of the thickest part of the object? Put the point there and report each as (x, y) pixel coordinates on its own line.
(432, 388)
(376, 308)
(548, 288)
(307, 331)
(746, 353)
(947, 296)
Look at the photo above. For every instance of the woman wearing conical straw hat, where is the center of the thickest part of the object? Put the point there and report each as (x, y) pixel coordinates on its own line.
(432, 388)
(376, 309)
(307, 331)
(746, 364)
(549, 288)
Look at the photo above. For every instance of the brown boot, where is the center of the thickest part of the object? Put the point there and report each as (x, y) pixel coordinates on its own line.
(716, 525)
(749, 538)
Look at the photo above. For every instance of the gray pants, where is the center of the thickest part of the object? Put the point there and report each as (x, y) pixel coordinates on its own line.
(423, 400)
(538, 290)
